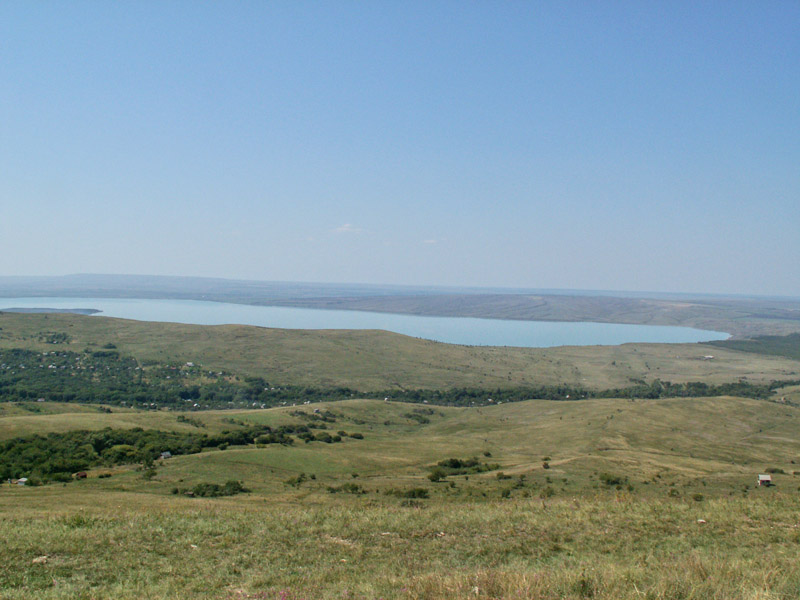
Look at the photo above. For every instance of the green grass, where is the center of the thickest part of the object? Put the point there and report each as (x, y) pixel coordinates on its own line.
(373, 360)
(557, 532)
(362, 547)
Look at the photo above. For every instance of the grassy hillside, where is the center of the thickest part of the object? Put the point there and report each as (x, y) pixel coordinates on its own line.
(649, 499)
(710, 445)
(600, 498)
(370, 360)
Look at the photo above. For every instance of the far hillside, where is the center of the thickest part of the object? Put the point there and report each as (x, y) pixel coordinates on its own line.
(378, 360)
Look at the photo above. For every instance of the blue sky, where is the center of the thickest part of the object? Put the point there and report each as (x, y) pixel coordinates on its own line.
(625, 145)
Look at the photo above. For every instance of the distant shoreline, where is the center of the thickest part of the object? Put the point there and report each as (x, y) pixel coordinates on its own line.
(742, 317)
(72, 311)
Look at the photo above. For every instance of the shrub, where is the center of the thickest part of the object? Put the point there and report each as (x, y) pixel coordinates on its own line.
(611, 480)
(296, 481)
(213, 490)
(347, 488)
(437, 475)
(462, 466)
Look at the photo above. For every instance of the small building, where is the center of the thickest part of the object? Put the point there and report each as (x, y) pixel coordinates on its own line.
(765, 480)
(166, 454)
(22, 481)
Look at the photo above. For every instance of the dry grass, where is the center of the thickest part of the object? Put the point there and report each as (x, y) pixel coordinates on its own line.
(591, 547)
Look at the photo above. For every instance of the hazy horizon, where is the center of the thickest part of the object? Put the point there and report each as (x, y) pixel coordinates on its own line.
(343, 286)
(633, 147)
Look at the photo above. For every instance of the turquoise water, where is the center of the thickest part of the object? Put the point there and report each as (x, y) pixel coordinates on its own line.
(452, 330)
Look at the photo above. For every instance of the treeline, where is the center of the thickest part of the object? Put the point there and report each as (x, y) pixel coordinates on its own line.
(106, 377)
(640, 389)
(694, 389)
(56, 456)
(772, 345)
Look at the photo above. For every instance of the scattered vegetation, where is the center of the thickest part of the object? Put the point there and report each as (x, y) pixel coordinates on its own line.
(213, 490)
(347, 488)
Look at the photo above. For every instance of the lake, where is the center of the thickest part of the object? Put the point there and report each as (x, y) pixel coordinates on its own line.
(451, 330)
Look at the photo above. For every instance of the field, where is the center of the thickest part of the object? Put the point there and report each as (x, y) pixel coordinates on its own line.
(375, 360)
(586, 499)
(602, 498)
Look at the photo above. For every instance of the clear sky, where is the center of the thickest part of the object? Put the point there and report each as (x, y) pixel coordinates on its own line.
(599, 145)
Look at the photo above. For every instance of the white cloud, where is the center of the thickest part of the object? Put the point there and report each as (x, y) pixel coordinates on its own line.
(348, 228)
(430, 241)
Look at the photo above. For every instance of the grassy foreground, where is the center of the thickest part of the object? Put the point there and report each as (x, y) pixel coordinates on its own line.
(616, 547)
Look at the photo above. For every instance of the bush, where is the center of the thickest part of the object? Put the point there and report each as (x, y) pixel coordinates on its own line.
(296, 481)
(347, 488)
(611, 480)
(437, 475)
(213, 490)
